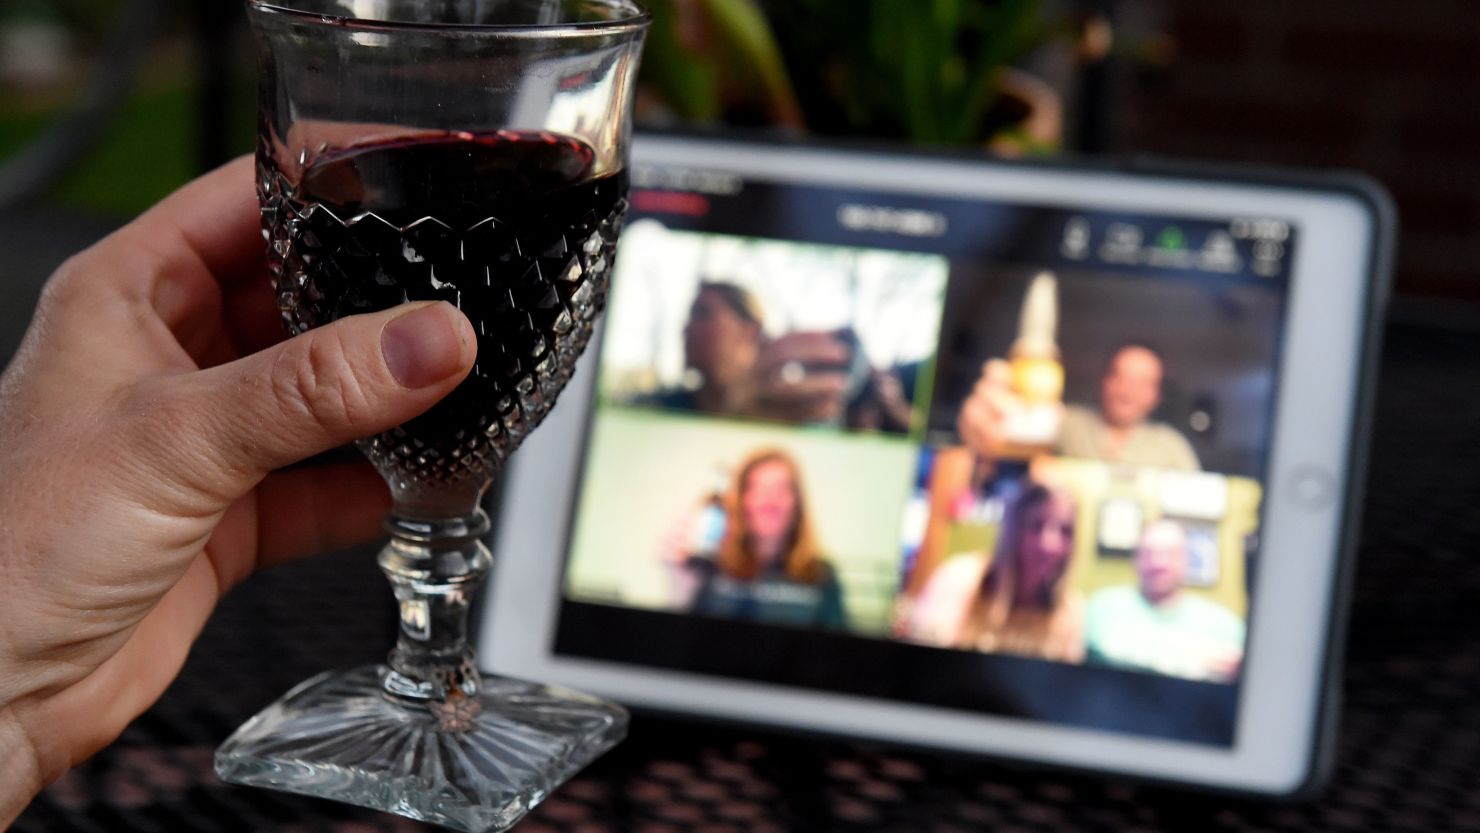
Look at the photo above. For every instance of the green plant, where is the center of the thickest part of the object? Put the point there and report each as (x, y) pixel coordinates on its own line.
(926, 70)
(929, 71)
(717, 60)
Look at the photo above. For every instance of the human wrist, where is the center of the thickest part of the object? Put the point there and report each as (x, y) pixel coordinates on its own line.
(20, 767)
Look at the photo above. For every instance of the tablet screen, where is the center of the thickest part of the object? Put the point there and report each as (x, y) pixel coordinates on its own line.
(1002, 458)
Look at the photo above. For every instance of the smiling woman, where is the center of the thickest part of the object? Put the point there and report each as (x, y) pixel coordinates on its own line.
(769, 566)
(1018, 601)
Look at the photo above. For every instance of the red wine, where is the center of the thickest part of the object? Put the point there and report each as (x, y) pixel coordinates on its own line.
(516, 229)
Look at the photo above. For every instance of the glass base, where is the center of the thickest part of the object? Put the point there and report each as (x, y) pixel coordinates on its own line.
(476, 766)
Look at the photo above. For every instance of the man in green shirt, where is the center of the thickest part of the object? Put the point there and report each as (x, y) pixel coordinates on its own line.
(1155, 626)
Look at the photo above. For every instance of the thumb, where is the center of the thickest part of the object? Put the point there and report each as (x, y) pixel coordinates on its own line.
(345, 381)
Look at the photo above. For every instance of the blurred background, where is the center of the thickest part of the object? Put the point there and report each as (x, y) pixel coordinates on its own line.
(106, 105)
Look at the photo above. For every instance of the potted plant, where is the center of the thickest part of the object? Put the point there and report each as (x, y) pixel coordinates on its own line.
(924, 71)
(715, 61)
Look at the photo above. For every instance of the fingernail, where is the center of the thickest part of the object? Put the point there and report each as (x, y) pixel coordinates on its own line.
(424, 346)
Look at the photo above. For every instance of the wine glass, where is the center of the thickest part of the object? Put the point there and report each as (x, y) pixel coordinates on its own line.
(471, 151)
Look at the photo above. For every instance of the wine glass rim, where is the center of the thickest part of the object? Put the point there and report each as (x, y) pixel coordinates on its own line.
(638, 19)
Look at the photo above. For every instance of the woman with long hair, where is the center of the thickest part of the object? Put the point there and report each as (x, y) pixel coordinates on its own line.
(1020, 602)
(767, 566)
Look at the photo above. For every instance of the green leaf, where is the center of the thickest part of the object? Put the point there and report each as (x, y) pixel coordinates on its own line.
(688, 83)
(744, 35)
(1007, 30)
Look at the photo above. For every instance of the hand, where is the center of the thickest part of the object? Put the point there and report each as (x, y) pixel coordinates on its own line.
(892, 400)
(987, 414)
(983, 415)
(885, 409)
(802, 377)
(141, 426)
(675, 552)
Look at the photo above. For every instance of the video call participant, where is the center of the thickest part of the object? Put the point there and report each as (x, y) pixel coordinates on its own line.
(1155, 625)
(1120, 429)
(799, 377)
(1020, 601)
(721, 342)
(768, 566)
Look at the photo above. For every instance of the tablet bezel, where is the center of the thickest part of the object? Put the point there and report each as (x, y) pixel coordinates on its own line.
(1287, 700)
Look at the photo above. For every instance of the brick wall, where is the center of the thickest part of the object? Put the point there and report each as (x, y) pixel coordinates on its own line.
(1389, 88)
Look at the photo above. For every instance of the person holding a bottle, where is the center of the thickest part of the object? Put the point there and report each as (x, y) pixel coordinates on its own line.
(1016, 407)
(1119, 430)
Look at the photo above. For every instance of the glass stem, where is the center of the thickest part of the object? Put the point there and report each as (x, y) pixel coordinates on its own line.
(435, 568)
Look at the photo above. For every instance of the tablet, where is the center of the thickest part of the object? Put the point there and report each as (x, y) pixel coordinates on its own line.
(1042, 462)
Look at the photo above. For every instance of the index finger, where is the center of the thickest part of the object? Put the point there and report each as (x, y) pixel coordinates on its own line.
(169, 264)
(177, 257)
(212, 220)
